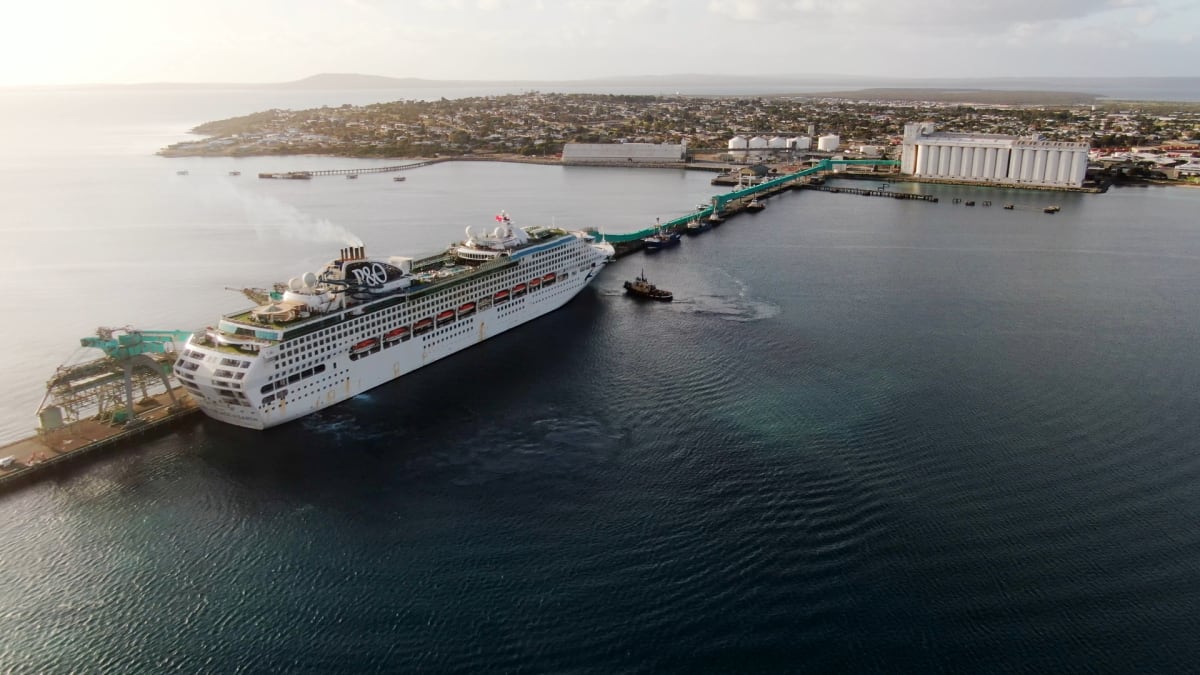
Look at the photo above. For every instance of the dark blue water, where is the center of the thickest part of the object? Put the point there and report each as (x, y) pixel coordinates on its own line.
(869, 435)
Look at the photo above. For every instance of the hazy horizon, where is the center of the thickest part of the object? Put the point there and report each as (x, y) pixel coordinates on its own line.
(74, 43)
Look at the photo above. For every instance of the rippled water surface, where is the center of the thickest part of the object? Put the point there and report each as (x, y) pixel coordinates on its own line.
(869, 435)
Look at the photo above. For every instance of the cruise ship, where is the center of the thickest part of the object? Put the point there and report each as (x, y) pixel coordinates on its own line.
(362, 321)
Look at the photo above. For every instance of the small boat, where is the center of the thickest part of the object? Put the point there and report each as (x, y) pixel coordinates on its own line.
(396, 334)
(1010, 207)
(501, 296)
(467, 309)
(363, 347)
(181, 173)
(535, 283)
(399, 179)
(969, 203)
(697, 226)
(351, 176)
(755, 205)
(422, 325)
(1051, 209)
(445, 317)
(661, 240)
(714, 219)
(519, 289)
(642, 288)
(549, 279)
(235, 173)
(701, 206)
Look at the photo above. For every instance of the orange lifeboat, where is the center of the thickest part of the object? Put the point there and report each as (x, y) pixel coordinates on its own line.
(364, 346)
(396, 334)
(501, 296)
(534, 283)
(422, 325)
(466, 309)
(446, 316)
(549, 278)
(519, 289)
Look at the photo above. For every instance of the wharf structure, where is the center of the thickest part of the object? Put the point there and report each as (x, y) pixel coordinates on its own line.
(995, 159)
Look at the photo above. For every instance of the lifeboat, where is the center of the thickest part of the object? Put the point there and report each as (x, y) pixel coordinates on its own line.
(467, 309)
(549, 278)
(534, 283)
(396, 334)
(445, 316)
(501, 296)
(519, 289)
(422, 325)
(364, 347)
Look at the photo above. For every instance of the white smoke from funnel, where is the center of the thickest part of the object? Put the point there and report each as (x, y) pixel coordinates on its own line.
(272, 218)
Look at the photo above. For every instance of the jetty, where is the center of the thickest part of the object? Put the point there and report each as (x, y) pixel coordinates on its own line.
(91, 406)
(352, 172)
(867, 193)
(730, 203)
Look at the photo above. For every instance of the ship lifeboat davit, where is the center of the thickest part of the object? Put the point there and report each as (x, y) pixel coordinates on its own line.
(364, 346)
(396, 334)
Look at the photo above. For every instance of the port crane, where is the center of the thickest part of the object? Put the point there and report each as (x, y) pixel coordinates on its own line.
(102, 389)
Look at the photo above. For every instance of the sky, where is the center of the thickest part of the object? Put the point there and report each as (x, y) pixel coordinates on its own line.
(57, 42)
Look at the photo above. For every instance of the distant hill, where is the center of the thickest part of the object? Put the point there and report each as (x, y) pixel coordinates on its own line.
(978, 96)
(1015, 90)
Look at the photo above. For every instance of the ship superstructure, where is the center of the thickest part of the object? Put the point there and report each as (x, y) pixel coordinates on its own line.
(361, 321)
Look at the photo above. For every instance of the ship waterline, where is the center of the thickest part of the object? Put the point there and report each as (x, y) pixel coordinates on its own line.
(362, 321)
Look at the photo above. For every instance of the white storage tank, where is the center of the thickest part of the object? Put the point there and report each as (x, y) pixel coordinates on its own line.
(777, 142)
(737, 143)
(758, 143)
(800, 143)
(828, 143)
(869, 150)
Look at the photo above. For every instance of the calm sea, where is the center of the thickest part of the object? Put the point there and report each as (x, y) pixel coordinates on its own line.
(869, 435)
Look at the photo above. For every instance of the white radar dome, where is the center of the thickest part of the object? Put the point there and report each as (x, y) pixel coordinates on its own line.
(309, 279)
(294, 284)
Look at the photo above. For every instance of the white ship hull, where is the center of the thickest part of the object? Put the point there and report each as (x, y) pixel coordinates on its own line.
(362, 347)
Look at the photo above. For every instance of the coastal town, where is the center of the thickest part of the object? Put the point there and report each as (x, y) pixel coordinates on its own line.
(1138, 140)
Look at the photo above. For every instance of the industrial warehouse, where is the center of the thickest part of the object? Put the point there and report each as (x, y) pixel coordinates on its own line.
(624, 153)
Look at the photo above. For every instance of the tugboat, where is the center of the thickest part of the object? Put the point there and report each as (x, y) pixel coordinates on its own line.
(715, 219)
(755, 205)
(660, 240)
(698, 225)
(644, 289)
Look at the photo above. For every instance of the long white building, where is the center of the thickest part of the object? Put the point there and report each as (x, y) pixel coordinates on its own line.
(992, 158)
(623, 153)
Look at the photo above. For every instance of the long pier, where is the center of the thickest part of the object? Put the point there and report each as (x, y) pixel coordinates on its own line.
(349, 172)
(868, 193)
(732, 202)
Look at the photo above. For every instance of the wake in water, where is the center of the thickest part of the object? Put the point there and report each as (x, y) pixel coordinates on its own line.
(737, 304)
